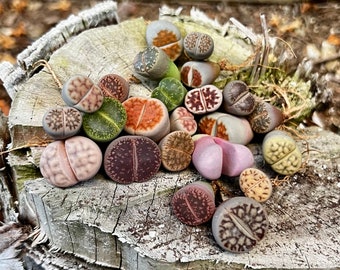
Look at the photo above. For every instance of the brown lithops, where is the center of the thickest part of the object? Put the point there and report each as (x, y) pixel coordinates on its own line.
(255, 184)
(176, 150)
(182, 119)
(114, 86)
(198, 46)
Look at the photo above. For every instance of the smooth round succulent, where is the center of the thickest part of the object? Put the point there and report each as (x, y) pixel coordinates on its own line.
(255, 184)
(198, 73)
(265, 117)
(80, 92)
(154, 63)
(166, 36)
(171, 92)
(194, 204)
(226, 126)
(62, 122)
(176, 150)
(182, 119)
(146, 116)
(239, 224)
(237, 99)
(114, 86)
(129, 159)
(203, 100)
(281, 152)
(64, 163)
(106, 123)
(198, 46)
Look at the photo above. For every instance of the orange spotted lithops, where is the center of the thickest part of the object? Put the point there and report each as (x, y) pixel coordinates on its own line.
(147, 117)
(255, 184)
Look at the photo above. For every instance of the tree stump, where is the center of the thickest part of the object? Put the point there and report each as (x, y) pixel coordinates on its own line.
(132, 226)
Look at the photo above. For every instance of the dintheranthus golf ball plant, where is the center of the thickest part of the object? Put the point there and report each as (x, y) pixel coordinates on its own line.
(142, 104)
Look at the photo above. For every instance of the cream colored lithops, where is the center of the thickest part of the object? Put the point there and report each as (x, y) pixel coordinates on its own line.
(255, 184)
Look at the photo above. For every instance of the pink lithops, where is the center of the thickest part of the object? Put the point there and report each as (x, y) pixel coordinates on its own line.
(182, 119)
(198, 73)
(131, 159)
(203, 100)
(65, 163)
(194, 204)
(80, 92)
(114, 86)
(146, 116)
(214, 157)
(226, 126)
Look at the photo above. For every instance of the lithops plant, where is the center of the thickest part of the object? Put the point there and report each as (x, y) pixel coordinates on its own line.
(146, 116)
(265, 117)
(182, 119)
(62, 122)
(129, 159)
(166, 36)
(106, 123)
(171, 92)
(198, 46)
(154, 63)
(80, 92)
(239, 223)
(198, 73)
(194, 204)
(281, 152)
(176, 150)
(64, 163)
(255, 184)
(237, 99)
(226, 126)
(115, 86)
(203, 100)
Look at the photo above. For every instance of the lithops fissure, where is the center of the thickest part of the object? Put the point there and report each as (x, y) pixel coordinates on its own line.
(239, 224)
(198, 73)
(130, 159)
(114, 86)
(198, 46)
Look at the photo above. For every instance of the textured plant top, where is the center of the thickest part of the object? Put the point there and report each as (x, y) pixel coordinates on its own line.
(198, 46)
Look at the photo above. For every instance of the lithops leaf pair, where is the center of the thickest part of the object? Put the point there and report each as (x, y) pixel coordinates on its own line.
(80, 92)
(64, 163)
(239, 223)
(198, 46)
(166, 36)
(281, 152)
(194, 204)
(226, 126)
(114, 86)
(182, 119)
(129, 159)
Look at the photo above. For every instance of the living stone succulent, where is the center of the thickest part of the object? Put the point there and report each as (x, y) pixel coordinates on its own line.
(115, 86)
(182, 119)
(198, 46)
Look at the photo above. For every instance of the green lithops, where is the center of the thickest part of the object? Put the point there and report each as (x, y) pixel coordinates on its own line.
(105, 124)
(281, 152)
(171, 92)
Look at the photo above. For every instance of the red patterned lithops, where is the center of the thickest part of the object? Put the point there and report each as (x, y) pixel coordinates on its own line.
(114, 86)
(203, 100)
(182, 119)
(198, 73)
(194, 204)
(65, 163)
(146, 116)
(80, 92)
(131, 159)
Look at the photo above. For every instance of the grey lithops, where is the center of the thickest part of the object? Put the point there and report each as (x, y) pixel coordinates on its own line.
(194, 204)
(239, 224)
(62, 122)
(80, 92)
(66, 162)
(198, 46)
(114, 86)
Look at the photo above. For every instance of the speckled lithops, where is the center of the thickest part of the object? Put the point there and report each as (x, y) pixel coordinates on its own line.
(129, 159)
(106, 123)
(62, 122)
(182, 119)
(281, 152)
(115, 86)
(198, 46)
(198, 73)
(166, 36)
(255, 184)
(80, 92)
(203, 100)
(194, 204)
(237, 99)
(64, 163)
(239, 224)
(176, 150)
